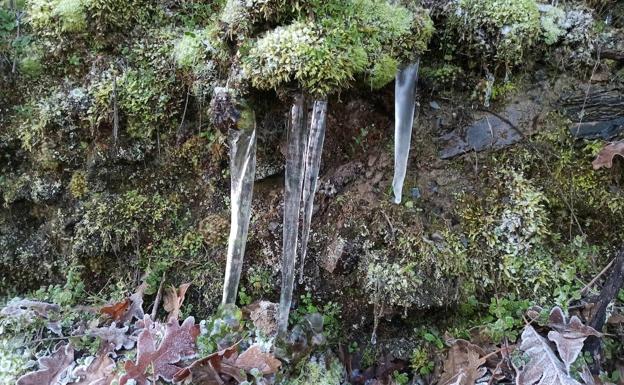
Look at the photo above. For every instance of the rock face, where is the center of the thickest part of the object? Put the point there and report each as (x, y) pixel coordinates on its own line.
(596, 111)
(491, 131)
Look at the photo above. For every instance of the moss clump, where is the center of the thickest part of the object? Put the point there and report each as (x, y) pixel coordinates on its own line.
(498, 30)
(320, 370)
(188, 50)
(383, 71)
(417, 271)
(551, 20)
(344, 39)
(78, 185)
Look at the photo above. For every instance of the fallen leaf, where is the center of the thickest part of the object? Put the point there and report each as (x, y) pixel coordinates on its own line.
(18, 308)
(543, 366)
(129, 308)
(463, 364)
(209, 370)
(606, 155)
(51, 368)
(255, 358)
(112, 334)
(178, 343)
(116, 310)
(101, 371)
(568, 336)
(173, 301)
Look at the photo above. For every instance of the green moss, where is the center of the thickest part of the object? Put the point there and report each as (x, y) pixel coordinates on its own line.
(71, 13)
(344, 40)
(551, 20)
(383, 71)
(445, 74)
(320, 370)
(78, 185)
(499, 30)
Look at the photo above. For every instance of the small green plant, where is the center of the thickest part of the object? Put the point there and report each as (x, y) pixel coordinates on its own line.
(400, 378)
(222, 330)
(330, 312)
(420, 362)
(504, 319)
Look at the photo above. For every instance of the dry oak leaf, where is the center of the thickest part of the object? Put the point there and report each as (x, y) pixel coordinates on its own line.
(101, 371)
(543, 366)
(569, 336)
(52, 368)
(129, 308)
(178, 343)
(463, 365)
(209, 370)
(116, 310)
(606, 155)
(255, 358)
(173, 301)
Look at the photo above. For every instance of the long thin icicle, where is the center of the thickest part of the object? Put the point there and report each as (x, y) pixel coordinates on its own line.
(404, 103)
(313, 154)
(296, 139)
(242, 173)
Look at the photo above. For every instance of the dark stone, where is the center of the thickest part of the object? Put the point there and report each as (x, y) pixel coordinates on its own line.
(602, 129)
(490, 131)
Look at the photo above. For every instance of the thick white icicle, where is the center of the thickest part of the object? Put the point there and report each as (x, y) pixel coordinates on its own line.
(242, 173)
(313, 154)
(404, 103)
(296, 138)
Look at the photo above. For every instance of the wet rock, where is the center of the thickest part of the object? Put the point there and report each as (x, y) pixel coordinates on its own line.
(602, 129)
(596, 112)
(490, 131)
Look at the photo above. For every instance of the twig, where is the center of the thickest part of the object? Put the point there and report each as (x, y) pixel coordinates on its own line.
(591, 283)
(158, 296)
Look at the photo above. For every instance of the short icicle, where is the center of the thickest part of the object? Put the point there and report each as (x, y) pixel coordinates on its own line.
(313, 154)
(242, 173)
(404, 105)
(296, 138)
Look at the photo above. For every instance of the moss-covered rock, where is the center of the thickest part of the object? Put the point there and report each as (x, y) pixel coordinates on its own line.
(500, 31)
(342, 41)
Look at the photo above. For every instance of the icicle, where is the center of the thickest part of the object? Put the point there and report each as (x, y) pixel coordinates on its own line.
(242, 173)
(296, 139)
(313, 154)
(404, 103)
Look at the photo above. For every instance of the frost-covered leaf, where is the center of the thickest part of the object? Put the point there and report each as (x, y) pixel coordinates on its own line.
(129, 308)
(568, 336)
(100, 371)
(173, 301)
(606, 155)
(209, 370)
(542, 366)
(255, 358)
(51, 368)
(18, 308)
(463, 365)
(112, 334)
(177, 343)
